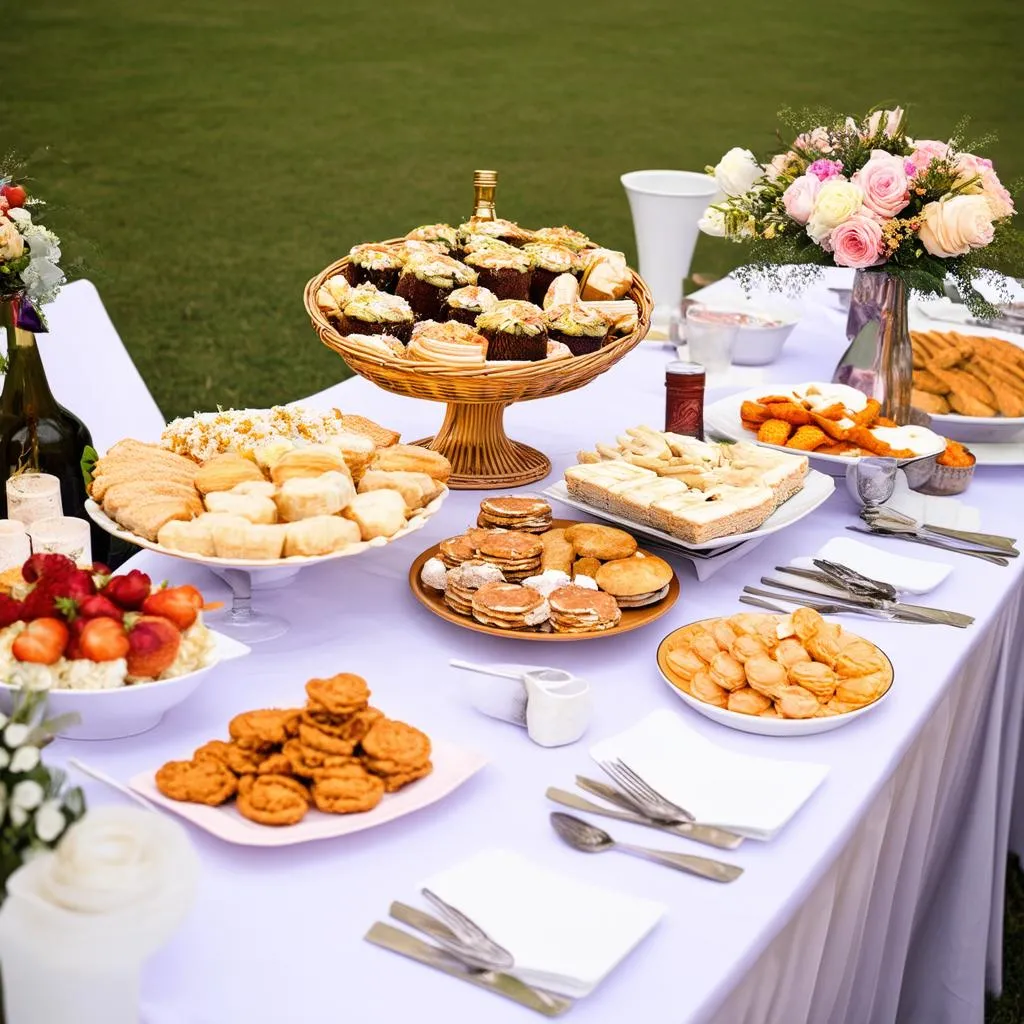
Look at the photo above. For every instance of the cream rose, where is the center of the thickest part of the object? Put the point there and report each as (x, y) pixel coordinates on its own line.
(712, 223)
(883, 180)
(12, 245)
(892, 120)
(952, 227)
(837, 201)
(857, 242)
(737, 171)
(799, 198)
(977, 175)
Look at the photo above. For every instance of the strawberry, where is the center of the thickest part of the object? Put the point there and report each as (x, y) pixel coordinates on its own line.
(10, 610)
(96, 606)
(74, 648)
(14, 194)
(179, 604)
(128, 591)
(42, 641)
(101, 569)
(46, 566)
(40, 602)
(153, 646)
(77, 585)
(104, 639)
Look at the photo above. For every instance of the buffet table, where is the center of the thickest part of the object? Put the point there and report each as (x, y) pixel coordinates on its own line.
(881, 901)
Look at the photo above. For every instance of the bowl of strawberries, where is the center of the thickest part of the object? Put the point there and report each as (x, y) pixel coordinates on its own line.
(114, 652)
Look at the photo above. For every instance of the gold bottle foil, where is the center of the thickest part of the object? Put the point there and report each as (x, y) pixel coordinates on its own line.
(484, 185)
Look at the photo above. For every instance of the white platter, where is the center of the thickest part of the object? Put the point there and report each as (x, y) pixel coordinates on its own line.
(765, 726)
(1005, 454)
(128, 710)
(452, 767)
(416, 522)
(979, 429)
(722, 419)
(816, 490)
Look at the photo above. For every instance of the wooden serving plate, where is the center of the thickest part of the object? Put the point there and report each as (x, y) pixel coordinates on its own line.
(632, 618)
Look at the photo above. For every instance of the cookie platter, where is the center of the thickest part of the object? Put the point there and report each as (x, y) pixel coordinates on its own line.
(775, 675)
(585, 597)
(479, 368)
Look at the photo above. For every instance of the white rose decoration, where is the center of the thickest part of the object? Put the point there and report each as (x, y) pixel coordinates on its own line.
(12, 245)
(837, 201)
(20, 216)
(737, 171)
(952, 227)
(16, 734)
(712, 223)
(26, 796)
(24, 760)
(50, 821)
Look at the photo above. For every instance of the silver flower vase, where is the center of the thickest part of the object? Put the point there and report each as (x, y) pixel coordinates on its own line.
(878, 360)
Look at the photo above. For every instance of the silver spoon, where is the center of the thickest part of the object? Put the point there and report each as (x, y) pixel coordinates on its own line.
(581, 835)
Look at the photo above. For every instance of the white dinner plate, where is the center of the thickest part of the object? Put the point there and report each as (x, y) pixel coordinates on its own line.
(1005, 454)
(418, 521)
(452, 767)
(984, 429)
(722, 419)
(816, 490)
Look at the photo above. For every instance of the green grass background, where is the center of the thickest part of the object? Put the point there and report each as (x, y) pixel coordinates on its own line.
(211, 155)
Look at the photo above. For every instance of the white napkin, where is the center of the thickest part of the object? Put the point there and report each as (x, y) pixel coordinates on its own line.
(755, 796)
(933, 510)
(566, 935)
(707, 567)
(908, 575)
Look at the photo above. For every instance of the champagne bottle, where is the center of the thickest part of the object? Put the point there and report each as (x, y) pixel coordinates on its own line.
(38, 433)
(484, 185)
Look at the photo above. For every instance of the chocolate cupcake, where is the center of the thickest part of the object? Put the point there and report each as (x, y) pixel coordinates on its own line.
(515, 330)
(409, 247)
(466, 304)
(376, 264)
(575, 240)
(506, 271)
(504, 230)
(428, 279)
(440, 234)
(369, 311)
(581, 328)
(549, 261)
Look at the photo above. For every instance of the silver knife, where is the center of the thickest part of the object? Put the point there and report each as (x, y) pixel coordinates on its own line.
(1005, 545)
(398, 941)
(988, 555)
(835, 606)
(705, 834)
(939, 615)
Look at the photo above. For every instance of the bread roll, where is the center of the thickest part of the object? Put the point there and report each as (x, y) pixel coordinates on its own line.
(413, 459)
(320, 535)
(416, 488)
(249, 506)
(324, 495)
(377, 513)
(311, 461)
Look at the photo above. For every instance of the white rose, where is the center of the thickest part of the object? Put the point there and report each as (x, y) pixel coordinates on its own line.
(26, 796)
(712, 223)
(15, 735)
(12, 245)
(737, 171)
(837, 201)
(50, 821)
(20, 216)
(954, 226)
(43, 244)
(24, 760)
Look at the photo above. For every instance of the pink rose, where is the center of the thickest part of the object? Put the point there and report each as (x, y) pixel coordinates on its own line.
(815, 140)
(925, 151)
(884, 182)
(782, 163)
(857, 242)
(954, 226)
(891, 120)
(984, 180)
(799, 198)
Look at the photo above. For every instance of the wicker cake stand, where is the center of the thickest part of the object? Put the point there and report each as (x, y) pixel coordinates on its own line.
(472, 436)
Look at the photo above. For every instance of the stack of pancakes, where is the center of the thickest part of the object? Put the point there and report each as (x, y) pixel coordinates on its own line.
(577, 610)
(516, 554)
(465, 580)
(509, 606)
(526, 513)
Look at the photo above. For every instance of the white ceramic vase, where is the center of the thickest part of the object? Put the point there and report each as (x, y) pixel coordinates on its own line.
(666, 206)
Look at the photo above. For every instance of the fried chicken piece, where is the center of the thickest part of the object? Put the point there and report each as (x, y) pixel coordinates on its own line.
(775, 399)
(961, 383)
(834, 412)
(863, 438)
(1008, 402)
(867, 416)
(774, 432)
(838, 448)
(967, 406)
(928, 402)
(790, 412)
(754, 412)
(807, 439)
(925, 380)
(884, 421)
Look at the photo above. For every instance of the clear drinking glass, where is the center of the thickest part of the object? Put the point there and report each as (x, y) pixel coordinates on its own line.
(710, 337)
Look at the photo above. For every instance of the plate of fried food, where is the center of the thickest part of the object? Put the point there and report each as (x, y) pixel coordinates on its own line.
(829, 423)
(775, 675)
(333, 766)
(520, 573)
(256, 489)
(971, 387)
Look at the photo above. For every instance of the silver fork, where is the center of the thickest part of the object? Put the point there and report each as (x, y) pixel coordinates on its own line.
(482, 947)
(648, 799)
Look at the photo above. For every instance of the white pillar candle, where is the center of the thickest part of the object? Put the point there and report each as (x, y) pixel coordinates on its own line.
(32, 496)
(62, 535)
(14, 544)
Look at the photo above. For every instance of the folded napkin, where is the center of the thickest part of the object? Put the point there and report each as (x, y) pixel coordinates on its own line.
(565, 935)
(755, 796)
(933, 510)
(707, 565)
(908, 575)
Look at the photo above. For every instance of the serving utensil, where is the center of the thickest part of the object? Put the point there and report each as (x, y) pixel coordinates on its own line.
(581, 835)
(932, 542)
(650, 802)
(109, 780)
(507, 985)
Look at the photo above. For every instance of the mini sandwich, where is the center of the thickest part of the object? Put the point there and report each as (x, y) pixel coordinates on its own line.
(637, 581)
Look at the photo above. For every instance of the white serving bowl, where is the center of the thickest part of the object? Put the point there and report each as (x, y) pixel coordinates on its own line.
(127, 710)
(755, 344)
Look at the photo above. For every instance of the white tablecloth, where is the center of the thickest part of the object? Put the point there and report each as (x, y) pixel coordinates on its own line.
(880, 901)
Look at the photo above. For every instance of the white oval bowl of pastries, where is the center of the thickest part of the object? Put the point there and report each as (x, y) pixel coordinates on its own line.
(775, 675)
(282, 504)
(121, 711)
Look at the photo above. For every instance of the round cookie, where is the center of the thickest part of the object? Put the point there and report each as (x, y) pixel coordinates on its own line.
(255, 729)
(392, 747)
(393, 783)
(313, 738)
(347, 790)
(215, 750)
(601, 542)
(456, 550)
(343, 694)
(196, 782)
(274, 800)
(242, 761)
(637, 581)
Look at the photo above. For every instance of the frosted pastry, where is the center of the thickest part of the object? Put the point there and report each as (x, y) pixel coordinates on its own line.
(249, 506)
(416, 488)
(581, 579)
(222, 472)
(324, 495)
(434, 574)
(605, 276)
(356, 449)
(310, 461)
(548, 581)
(377, 513)
(319, 535)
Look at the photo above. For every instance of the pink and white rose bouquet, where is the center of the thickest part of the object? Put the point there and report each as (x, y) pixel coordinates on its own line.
(864, 194)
